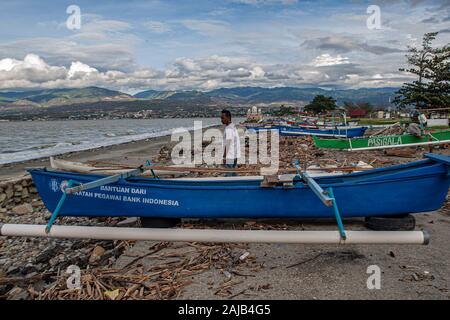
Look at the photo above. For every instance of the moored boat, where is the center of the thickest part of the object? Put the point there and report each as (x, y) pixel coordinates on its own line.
(384, 142)
(85, 168)
(407, 188)
(336, 132)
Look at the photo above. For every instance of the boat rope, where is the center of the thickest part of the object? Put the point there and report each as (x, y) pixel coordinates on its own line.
(148, 163)
(297, 169)
(433, 137)
(350, 144)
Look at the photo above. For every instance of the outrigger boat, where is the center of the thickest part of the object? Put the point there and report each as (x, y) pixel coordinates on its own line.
(419, 186)
(335, 132)
(176, 170)
(384, 142)
(376, 192)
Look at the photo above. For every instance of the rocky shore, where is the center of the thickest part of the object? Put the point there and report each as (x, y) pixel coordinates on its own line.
(18, 195)
(35, 268)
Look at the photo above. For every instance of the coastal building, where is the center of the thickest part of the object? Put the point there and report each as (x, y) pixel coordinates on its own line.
(358, 113)
(254, 114)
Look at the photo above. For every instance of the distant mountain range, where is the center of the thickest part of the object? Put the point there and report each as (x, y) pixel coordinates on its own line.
(253, 95)
(54, 97)
(379, 97)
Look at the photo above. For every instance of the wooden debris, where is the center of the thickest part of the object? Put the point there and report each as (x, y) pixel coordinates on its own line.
(133, 282)
(401, 152)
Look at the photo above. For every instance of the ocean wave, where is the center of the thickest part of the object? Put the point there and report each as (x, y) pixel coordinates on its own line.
(42, 151)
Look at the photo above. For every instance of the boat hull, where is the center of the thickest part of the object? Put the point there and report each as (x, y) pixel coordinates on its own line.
(332, 132)
(293, 131)
(416, 187)
(377, 142)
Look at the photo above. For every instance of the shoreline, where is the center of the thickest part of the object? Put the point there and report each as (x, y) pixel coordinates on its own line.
(133, 152)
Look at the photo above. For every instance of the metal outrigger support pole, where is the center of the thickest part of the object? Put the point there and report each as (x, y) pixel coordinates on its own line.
(70, 189)
(337, 215)
(327, 197)
(148, 163)
(58, 207)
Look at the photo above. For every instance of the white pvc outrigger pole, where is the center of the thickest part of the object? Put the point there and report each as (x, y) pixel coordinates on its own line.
(215, 235)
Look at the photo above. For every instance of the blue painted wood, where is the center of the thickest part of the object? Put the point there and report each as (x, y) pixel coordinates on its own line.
(438, 157)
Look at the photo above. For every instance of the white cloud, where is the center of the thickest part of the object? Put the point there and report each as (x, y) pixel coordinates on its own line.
(32, 69)
(328, 60)
(7, 64)
(186, 73)
(79, 68)
(257, 73)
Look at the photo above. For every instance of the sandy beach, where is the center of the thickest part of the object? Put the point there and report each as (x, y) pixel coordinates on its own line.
(132, 153)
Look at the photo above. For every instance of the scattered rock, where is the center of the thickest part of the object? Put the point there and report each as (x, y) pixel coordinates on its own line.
(244, 256)
(28, 268)
(25, 208)
(46, 255)
(9, 192)
(129, 222)
(13, 270)
(17, 294)
(97, 254)
(25, 193)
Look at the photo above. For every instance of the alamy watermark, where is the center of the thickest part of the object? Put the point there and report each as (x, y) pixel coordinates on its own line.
(73, 22)
(373, 22)
(374, 280)
(74, 280)
(263, 148)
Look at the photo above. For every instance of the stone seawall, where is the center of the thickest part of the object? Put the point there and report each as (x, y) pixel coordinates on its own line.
(17, 194)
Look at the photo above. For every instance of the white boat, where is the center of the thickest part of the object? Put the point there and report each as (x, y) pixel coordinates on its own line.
(85, 168)
(314, 171)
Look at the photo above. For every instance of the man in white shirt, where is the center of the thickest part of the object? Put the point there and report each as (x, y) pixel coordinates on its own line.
(231, 142)
(418, 124)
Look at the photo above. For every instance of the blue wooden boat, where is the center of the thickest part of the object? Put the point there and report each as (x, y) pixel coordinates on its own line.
(407, 188)
(337, 132)
(269, 127)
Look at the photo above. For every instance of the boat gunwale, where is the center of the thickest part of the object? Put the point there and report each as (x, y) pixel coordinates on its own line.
(374, 176)
(319, 139)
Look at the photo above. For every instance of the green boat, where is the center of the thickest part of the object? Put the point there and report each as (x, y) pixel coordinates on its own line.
(384, 142)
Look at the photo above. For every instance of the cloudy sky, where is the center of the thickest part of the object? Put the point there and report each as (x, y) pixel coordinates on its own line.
(181, 44)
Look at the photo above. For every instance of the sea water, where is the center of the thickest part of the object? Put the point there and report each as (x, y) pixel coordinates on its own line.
(20, 141)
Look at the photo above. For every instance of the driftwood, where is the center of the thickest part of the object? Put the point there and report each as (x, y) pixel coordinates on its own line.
(388, 128)
(160, 281)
